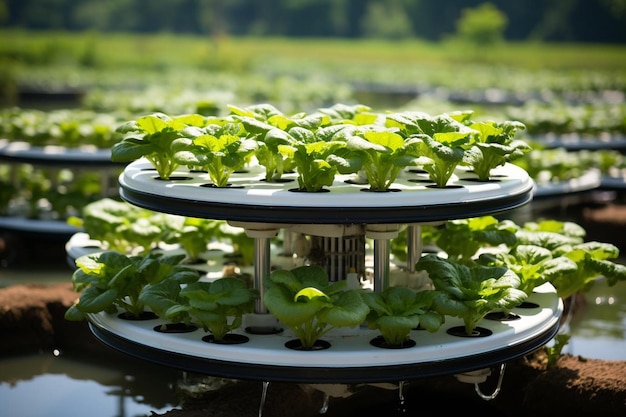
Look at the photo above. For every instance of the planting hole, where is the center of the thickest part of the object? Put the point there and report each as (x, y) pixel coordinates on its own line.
(476, 332)
(228, 339)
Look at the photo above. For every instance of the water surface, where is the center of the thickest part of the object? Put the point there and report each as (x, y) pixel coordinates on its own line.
(58, 384)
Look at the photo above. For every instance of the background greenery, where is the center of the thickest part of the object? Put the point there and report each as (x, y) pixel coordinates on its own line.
(538, 20)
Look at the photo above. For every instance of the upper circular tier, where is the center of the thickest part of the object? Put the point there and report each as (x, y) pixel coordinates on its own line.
(412, 198)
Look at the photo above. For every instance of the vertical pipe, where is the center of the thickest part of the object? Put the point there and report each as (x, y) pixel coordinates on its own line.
(340, 259)
(261, 269)
(287, 242)
(381, 264)
(349, 259)
(414, 246)
(332, 266)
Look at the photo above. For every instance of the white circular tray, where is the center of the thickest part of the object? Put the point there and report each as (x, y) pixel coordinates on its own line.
(350, 356)
(249, 198)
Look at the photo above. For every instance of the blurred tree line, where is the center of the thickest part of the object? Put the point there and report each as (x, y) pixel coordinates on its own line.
(540, 20)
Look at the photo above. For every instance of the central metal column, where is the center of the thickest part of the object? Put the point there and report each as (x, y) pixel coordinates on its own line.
(381, 264)
(382, 234)
(262, 265)
(261, 233)
(413, 246)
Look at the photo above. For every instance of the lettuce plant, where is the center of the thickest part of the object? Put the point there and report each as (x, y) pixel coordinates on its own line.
(217, 306)
(396, 311)
(129, 229)
(267, 154)
(570, 268)
(446, 151)
(316, 162)
(471, 292)
(163, 298)
(151, 137)
(320, 154)
(119, 226)
(305, 301)
(566, 239)
(533, 264)
(493, 146)
(461, 239)
(444, 141)
(220, 154)
(269, 126)
(191, 233)
(593, 260)
(281, 147)
(385, 154)
(110, 280)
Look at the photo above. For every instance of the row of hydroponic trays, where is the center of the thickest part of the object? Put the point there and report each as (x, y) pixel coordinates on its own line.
(338, 246)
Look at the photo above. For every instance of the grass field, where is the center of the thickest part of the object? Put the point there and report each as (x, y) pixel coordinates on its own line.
(114, 50)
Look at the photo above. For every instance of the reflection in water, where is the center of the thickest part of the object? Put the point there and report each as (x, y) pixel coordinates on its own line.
(45, 385)
(598, 330)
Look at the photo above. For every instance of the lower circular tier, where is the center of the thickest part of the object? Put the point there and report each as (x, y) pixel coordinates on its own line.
(350, 358)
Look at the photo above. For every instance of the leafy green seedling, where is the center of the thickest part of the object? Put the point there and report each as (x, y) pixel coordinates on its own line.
(593, 260)
(163, 298)
(316, 163)
(191, 233)
(305, 301)
(444, 140)
(397, 310)
(533, 264)
(217, 306)
(151, 137)
(385, 154)
(110, 281)
(218, 149)
(120, 226)
(554, 352)
(493, 146)
(269, 127)
(461, 239)
(470, 293)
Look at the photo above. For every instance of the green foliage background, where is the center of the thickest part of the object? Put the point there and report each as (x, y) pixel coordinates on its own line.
(538, 20)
